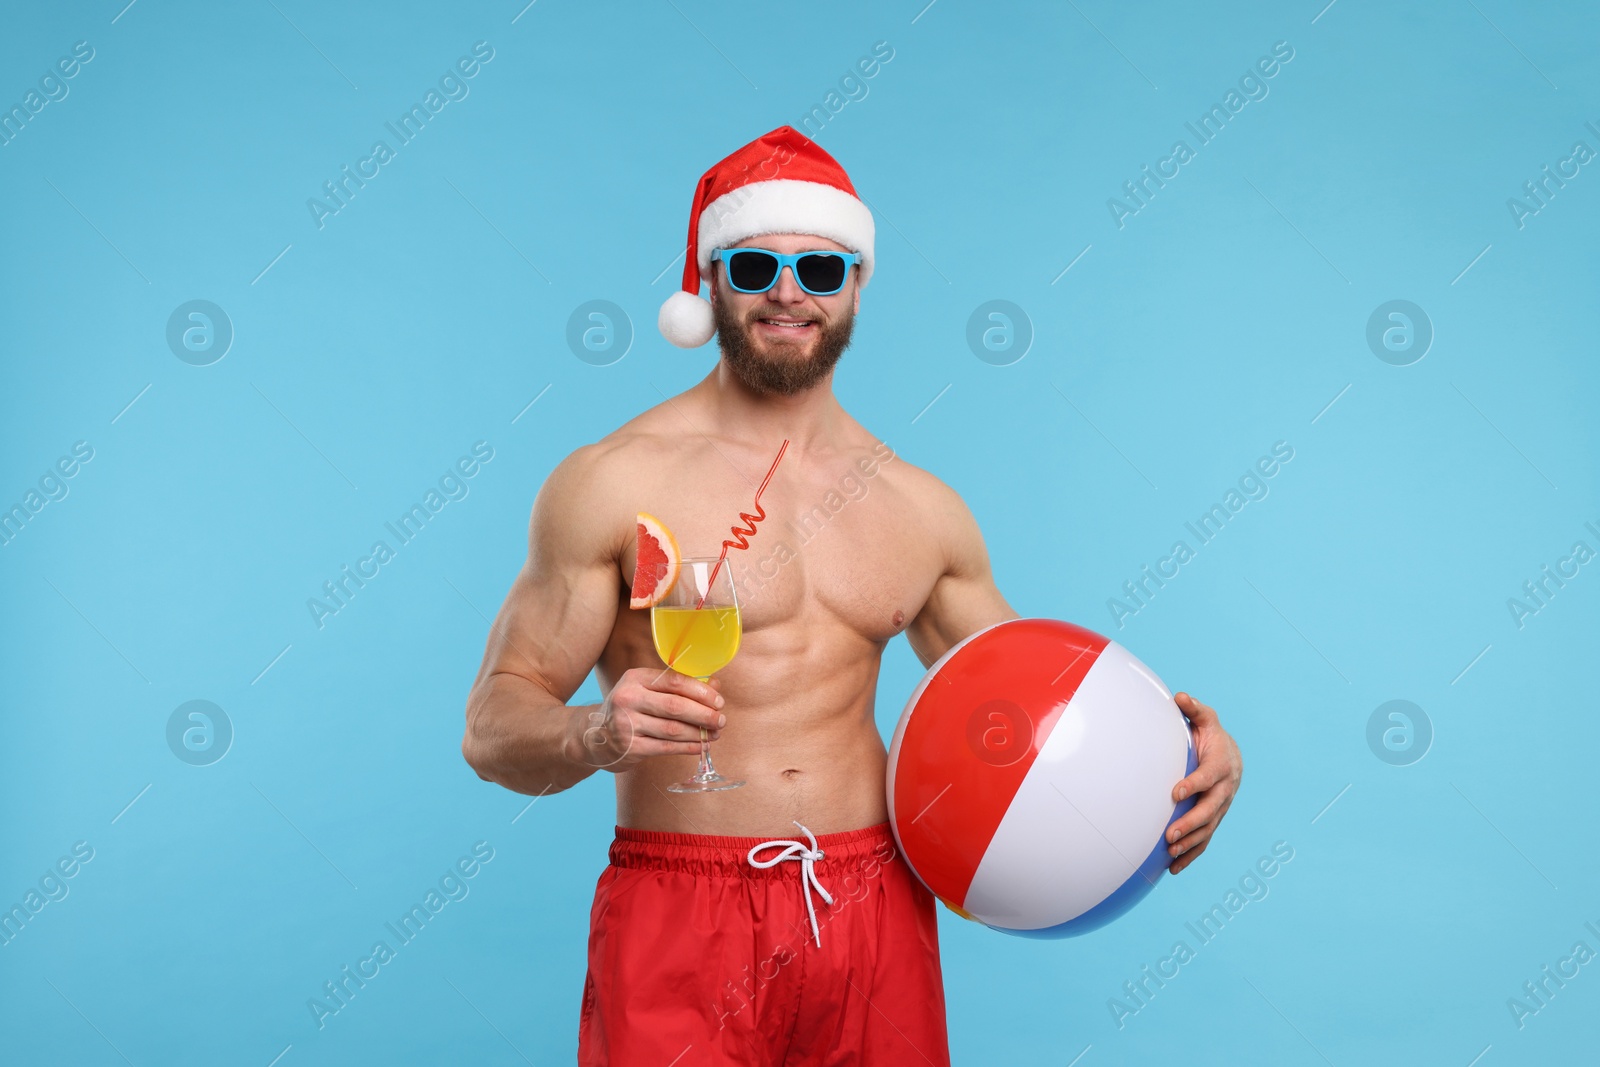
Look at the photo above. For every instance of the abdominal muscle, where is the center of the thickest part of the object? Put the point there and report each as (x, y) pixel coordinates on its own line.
(800, 734)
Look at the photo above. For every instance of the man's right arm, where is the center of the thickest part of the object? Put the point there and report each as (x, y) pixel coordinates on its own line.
(550, 632)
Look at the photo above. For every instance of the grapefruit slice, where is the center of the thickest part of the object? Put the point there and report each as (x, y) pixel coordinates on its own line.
(655, 571)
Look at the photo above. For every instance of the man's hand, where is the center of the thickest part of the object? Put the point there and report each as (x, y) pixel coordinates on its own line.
(1215, 780)
(650, 712)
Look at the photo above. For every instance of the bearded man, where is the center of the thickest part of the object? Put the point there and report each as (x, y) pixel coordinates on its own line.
(705, 945)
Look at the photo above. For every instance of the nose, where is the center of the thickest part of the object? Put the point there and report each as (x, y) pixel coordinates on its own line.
(787, 290)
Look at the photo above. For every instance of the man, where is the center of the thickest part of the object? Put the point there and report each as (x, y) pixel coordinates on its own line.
(701, 944)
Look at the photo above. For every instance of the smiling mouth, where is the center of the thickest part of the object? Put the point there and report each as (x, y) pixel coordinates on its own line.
(791, 325)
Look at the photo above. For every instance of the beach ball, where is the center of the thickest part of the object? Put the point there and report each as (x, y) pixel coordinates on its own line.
(1030, 778)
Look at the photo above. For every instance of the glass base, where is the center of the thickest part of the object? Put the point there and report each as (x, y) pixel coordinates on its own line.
(710, 783)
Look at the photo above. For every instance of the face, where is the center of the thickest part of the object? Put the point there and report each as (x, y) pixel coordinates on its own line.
(785, 340)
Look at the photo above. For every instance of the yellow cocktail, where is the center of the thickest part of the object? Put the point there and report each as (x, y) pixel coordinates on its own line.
(695, 642)
(696, 630)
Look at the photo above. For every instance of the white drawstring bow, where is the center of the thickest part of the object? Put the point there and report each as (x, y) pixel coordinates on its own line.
(808, 876)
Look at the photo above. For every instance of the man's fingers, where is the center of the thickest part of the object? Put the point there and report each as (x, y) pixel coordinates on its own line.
(1193, 709)
(1191, 842)
(682, 708)
(625, 734)
(1187, 858)
(1213, 784)
(643, 747)
(1208, 774)
(669, 729)
(671, 681)
(1207, 809)
(654, 713)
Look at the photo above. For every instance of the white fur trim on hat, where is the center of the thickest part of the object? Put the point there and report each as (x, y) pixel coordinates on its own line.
(686, 320)
(785, 205)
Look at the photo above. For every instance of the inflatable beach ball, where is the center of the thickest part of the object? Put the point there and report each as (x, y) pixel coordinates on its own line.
(1030, 778)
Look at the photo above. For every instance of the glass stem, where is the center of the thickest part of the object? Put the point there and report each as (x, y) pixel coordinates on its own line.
(705, 771)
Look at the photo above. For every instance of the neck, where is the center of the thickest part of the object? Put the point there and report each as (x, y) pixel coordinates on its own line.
(739, 412)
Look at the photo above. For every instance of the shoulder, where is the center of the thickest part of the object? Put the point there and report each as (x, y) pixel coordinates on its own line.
(934, 508)
(933, 500)
(587, 502)
(616, 463)
(585, 505)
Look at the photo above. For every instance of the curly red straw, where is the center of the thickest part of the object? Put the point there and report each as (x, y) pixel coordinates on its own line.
(740, 533)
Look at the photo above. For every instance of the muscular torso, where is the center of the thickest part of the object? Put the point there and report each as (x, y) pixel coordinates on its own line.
(843, 561)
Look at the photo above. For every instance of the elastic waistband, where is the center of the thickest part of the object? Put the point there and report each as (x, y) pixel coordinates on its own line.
(717, 855)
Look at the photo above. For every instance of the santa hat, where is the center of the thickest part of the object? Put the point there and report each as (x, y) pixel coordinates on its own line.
(779, 183)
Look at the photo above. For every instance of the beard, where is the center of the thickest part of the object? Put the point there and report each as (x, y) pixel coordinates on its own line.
(783, 372)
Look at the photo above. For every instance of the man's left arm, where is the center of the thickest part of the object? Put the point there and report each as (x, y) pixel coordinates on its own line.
(965, 599)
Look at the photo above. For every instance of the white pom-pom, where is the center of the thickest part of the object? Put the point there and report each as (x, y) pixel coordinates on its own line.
(686, 320)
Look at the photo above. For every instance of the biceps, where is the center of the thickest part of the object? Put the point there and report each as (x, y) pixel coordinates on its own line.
(554, 625)
(957, 608)
(561, 609)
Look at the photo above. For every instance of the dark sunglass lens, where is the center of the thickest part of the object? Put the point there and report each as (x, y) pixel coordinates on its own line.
(823, 274)
(754, 271)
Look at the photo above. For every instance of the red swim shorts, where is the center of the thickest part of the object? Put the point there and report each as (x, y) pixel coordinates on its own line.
(700, 957)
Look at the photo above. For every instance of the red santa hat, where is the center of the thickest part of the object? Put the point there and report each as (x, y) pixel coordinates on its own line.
(781, 182)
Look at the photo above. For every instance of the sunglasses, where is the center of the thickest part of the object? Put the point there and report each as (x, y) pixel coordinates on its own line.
(755, 270)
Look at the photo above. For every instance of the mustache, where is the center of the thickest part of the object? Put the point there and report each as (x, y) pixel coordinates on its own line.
(775, 312)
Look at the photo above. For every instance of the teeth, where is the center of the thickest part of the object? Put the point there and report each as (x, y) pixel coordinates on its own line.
(790, 325)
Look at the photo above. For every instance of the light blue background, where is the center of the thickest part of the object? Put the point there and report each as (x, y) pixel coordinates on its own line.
(1225, 316)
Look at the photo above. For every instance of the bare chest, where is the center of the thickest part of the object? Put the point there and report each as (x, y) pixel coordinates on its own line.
(845, 551)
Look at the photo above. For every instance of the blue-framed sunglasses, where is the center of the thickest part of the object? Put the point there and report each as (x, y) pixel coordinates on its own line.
(755, 270)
